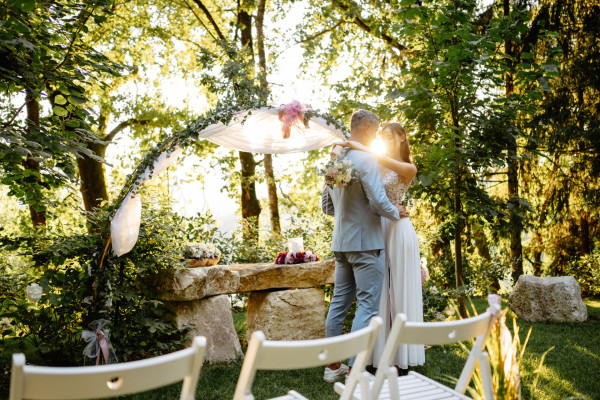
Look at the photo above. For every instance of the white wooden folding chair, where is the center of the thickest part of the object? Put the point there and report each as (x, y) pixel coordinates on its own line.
(265, 354)
(388, 385)
(102, 381)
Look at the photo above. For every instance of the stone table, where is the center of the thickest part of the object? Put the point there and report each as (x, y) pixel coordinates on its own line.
(278, 293)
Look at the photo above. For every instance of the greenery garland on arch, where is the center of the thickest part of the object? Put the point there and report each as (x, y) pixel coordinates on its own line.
(220, 114)
(223, 113)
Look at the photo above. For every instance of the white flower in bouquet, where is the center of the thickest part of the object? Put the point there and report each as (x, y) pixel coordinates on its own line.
(33, 292)
(338, 172)
(201, 251)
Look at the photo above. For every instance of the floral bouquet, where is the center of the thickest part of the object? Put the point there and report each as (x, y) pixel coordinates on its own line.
(339, 172)
(289, 257)
(201, 254)
(292, 114)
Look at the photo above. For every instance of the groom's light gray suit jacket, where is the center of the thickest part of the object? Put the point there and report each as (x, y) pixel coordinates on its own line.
(359, 207)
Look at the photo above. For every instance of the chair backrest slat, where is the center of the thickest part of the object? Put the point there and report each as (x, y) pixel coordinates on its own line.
(309, 353)
(54, 383)
(265, 354)
(437, 333)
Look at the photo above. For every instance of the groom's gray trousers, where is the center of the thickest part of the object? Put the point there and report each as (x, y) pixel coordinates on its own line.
(360, 274)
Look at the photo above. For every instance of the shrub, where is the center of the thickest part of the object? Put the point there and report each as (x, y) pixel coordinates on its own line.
(78, 289)
(586, 270)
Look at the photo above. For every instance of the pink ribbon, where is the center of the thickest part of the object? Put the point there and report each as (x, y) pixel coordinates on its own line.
(290, 114)
(494, 300)
(103, 347)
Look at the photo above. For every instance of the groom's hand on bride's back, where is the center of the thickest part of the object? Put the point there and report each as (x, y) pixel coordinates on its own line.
(336, 150)
(401, 210)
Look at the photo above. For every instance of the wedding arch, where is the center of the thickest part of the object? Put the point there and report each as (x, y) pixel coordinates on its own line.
(261, 129)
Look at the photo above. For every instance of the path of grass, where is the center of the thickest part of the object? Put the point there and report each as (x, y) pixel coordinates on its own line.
(571, 369)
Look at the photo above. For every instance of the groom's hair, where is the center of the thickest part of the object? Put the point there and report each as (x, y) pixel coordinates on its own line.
(363, 121)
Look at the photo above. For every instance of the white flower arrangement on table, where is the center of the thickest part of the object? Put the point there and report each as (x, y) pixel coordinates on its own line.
(339, 172)
(201, 251)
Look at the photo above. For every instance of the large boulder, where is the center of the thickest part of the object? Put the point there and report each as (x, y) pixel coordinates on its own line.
(555, 299)
(187, 284)
(210, 317)
(287, 314)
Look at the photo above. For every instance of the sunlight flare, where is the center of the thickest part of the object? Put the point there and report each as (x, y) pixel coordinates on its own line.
(378, 146)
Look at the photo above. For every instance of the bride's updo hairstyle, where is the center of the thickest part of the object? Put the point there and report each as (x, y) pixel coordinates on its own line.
(399, 133)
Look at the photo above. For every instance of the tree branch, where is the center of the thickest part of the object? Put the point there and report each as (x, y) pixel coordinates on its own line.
(84, 20)
(189, 7)
(210, 18)
(125, 124)
(316, 35)
(310, 38)
(15, 115)
(365, 27)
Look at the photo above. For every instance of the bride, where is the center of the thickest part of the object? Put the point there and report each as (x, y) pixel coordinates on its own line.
(402, 280)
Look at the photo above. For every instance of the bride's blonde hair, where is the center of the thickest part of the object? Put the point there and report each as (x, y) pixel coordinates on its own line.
(399, 131)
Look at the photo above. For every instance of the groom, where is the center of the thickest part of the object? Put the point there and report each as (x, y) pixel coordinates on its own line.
(357, 238)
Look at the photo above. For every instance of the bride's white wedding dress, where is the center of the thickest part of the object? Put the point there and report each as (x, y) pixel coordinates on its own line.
(402, 280)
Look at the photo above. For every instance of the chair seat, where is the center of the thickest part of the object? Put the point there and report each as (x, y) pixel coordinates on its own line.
(292, 395)
(413, 386)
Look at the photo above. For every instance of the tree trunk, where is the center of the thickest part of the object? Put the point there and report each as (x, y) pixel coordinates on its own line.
(515, 219)
(584, 232)
(262, 75)
(92, 175)
(483, 248)
(260, 43)
(537, 254)
(250, 204)
(273, 200)
(93, 179)
(458, 265)
(38, 218)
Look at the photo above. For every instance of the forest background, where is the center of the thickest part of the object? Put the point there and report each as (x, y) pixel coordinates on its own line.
(501, 101)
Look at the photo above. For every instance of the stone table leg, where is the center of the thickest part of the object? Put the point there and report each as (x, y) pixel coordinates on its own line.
(210, 317)
(297, 314)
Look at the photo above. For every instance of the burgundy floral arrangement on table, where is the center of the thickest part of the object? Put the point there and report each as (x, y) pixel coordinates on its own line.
(288, 257)
(296, 253)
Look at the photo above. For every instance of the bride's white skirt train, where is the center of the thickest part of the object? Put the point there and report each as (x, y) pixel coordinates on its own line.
(401, 289)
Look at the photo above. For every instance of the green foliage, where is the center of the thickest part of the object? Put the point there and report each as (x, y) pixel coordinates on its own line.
(77, 291)
(436, 303)
(47, 61)
(586, 270)
(483, 275)
(314, 229)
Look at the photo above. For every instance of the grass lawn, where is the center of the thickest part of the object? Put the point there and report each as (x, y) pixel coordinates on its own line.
(570, 370)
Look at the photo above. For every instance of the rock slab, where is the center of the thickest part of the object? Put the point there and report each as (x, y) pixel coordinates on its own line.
(186, 284)
(551, 299)
(210, 317)
(287, 314)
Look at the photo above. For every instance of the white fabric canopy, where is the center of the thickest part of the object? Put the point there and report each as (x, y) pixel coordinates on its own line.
(256, 131)
(125, 226)
(261, 133)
